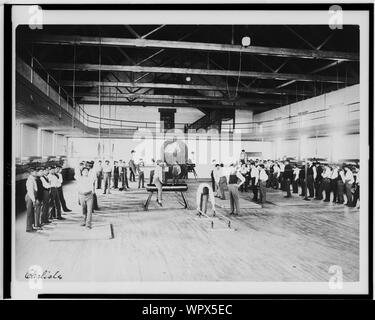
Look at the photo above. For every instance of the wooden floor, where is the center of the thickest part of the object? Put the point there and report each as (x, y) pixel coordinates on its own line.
(287, 240)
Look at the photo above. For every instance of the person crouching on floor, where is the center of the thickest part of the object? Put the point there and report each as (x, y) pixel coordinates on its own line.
(86, 187)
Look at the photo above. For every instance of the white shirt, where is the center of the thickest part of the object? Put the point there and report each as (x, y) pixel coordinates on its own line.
(217, 174)
(231, 171)
(254, 173)
(107, 168)
(59, 180)
(276, 169)
(314, 171)
(357, 175)
(296, 173)
(349, 176)
(335, 173)
(85, 184)
(263, 175)
(222, 172)
(282, 167)
(327, 173)
(342, 175)
(53, 180)
(158, 174)
(98, 168)
(31, 187)
(45, 182)
(77, 173)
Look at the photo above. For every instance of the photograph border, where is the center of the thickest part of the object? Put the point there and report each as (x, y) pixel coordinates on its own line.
(7, 139)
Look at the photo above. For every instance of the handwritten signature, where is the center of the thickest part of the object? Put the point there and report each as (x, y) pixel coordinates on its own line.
(45, 275)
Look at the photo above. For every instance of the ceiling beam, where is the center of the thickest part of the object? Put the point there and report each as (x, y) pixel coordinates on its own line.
(123, 102)
(327, 66)
(215, 47)
(187, 71)
(184, 87)
(132, 31)
(117, 97)
(152, 31)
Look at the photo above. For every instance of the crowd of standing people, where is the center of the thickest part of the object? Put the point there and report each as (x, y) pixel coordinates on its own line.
(311, 180)
(44, 197)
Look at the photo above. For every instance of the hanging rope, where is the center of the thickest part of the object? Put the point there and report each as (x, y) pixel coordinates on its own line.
(74, 85)
(238, 77)
(239, 71)
(100, 103)
(110, 114)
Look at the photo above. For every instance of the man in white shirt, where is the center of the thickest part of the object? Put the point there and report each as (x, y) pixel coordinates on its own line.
(235, 179)
(296, 171)
(213, 181)
(327, 175)
(93, 176)
(254, 176)
(263, 178)
(107, 173)
(55, 200)
(222, 181)
(157, 180)
(311, 176)
(99, 174)
(60, 189)
(276, 173)
(86, 188)
(281, 175)
(132, 167)
(334, 178)
(46, 205)
(30, 199)
(356, 191)
(243, 157)
(77, 171)
(349, 180)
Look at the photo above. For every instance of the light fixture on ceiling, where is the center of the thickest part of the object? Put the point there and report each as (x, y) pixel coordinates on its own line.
(188, 79)
(246, 41)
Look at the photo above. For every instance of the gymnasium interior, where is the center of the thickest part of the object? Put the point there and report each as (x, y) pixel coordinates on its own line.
(191, 95)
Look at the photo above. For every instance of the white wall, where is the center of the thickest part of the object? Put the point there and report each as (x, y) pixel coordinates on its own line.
(334, 110)
(332, 148)
(28, 141)
(339, 103)
(60, 145)
(243, 116)
(47, 141)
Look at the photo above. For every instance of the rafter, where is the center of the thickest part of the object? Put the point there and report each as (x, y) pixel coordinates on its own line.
(233, 73)
(166, 44)
(123, 102)
(183, 87)
(89, 95)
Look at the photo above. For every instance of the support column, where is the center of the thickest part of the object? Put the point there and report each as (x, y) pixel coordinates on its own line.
(53, 143)
(40, 143)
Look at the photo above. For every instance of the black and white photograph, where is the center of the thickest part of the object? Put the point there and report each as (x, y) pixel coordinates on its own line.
(206, 152)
